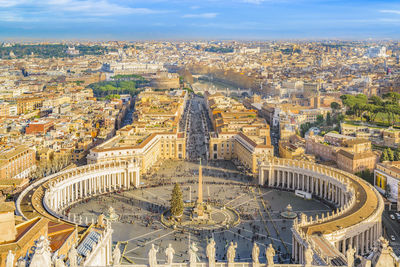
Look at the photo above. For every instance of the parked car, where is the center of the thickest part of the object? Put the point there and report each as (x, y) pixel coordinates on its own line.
(392, 216)
(392, 238)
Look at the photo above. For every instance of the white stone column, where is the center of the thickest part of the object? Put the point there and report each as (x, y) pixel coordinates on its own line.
(105, 183)
(137, 182)
(357, 246)
(90, 180)
(362, 242)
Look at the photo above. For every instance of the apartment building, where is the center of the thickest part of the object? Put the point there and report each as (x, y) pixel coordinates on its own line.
(238, 132)
(387, 180)
(153, 136)
(17, 162)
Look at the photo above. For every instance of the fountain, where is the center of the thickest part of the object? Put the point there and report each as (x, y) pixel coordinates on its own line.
(289, 213)
(112, 216)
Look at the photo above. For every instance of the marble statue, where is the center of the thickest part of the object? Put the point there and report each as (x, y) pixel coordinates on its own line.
(116, 256)
(270, 253)
(384, 242)
(231, 253)
(73, 257)
(350, 257)
(21, 262)
(169, 252)
(308, 255)
(59, 262)
(100, 220)
(193, 253)
(10, 259)
(153, 256)
(210, 251)
(255, 253)
(42, 254)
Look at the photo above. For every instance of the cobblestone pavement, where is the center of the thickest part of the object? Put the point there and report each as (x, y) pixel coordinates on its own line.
(139, 225)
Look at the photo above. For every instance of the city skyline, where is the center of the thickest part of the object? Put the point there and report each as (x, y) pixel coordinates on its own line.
(166, 20)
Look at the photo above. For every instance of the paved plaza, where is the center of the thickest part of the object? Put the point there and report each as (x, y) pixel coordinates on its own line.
(139, 225)
(140, 210)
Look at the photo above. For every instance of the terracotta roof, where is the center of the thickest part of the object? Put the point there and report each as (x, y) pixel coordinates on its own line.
(356, 156)
(248, 140)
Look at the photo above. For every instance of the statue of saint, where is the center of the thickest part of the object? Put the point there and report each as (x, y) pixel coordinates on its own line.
(21, 262)
(384, 243)
(100, 220)
(59, 262)
(169, 252)
(231, 253)
(255, 253)
(193, 253)
(210, 251)
(270, 253)
(153, 256)
(308, 255)
(350, 257)
(73, 257)
(116, 256)
(42, 254)
(10, 259)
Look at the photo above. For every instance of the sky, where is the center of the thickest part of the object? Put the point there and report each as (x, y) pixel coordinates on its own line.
(201, 19)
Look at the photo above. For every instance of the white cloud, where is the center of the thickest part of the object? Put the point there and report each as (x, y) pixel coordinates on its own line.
(96, 8)
(8, 3)
(66, 9)
(391, 11)
(202, 15)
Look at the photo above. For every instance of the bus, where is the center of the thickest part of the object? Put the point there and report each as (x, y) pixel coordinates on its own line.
(303, 194)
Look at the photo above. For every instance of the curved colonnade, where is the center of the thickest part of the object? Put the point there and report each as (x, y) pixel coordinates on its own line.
(356, 222)
(55, 193)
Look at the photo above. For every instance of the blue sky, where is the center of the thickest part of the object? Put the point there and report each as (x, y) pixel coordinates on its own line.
(203, 19)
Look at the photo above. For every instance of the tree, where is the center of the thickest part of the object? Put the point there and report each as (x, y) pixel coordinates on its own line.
(385, 156)
(397, 155)
(176, 201)
(320, 119)
(390, 154)
(328, 119)
(335, 105)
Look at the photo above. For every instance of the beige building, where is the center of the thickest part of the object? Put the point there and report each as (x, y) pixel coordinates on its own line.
(238, 132)
(292, 147)
(153, 136)
(391, 138)
(387, 180)
(17, 162)
(350, 154)
(357, 157)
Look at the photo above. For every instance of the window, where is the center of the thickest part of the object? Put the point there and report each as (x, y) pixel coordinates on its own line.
(215, 147)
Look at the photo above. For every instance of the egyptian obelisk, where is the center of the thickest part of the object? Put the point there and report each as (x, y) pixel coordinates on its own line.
(200, 186)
